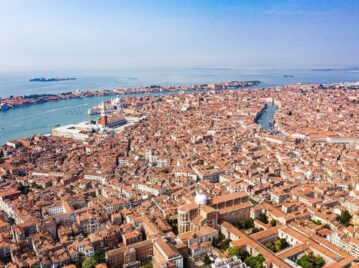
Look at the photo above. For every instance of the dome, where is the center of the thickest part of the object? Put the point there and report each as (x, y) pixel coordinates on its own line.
(200, 199)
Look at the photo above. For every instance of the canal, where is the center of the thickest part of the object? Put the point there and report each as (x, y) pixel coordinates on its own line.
(266, 116)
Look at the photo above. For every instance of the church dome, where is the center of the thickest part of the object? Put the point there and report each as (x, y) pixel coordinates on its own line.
(200, 199)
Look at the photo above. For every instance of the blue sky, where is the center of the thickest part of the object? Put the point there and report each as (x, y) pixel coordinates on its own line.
(90, 35)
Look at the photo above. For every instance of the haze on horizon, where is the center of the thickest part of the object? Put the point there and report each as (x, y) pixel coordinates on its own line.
(83, 34)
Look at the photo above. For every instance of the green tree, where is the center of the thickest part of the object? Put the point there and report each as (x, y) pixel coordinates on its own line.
(256, 230)
(234, 251)
(225, 244)
(221, 243)
(148, 264)
(243, 255)
(263, 218)
(310, 261)
(317, 222)
(100, 257)
(79, 262)
(89, 262)
(277, 245)
(345, 218)
(216, 242)
(23, 189)
(254, 261)
(245, 224)
(249, 223)
(319, 262)
(270, 246)
(273, 222)
(70, 191)
(280, 244)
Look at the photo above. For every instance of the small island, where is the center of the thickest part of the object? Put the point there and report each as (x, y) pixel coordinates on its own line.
(288, 75)
(51, 79)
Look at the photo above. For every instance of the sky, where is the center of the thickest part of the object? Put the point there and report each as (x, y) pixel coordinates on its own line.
(112, 34)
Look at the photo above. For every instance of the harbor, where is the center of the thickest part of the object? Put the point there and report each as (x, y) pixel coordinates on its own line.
(41, 118)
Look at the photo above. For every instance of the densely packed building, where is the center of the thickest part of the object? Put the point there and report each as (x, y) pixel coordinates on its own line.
(195, 178)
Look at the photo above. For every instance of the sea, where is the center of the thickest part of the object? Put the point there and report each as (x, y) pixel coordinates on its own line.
(41, 118)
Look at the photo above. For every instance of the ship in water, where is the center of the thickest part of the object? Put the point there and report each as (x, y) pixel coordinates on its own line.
(111, 106)
(4, 106)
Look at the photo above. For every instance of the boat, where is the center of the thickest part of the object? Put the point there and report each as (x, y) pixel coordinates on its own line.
(4, 106)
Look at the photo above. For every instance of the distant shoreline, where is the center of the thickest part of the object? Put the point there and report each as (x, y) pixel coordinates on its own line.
(51, 79)
(23, 101)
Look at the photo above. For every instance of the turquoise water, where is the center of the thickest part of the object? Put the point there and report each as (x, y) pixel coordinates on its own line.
(41, 118)
(17, 84)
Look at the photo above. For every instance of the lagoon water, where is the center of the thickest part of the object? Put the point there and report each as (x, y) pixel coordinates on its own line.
(41, 118)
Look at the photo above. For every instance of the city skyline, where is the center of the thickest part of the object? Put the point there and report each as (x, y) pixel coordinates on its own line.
(179, 134)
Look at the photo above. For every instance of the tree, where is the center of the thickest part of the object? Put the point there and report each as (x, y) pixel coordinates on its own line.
(273, 222)
(216, 242)
(100, 257)
(225, 244)
(280, 244)
(148, 264)
(89, 262)
(245, 224)
(319, 262)
(76, 206)
(277, 245)
(316, 222)
(79, 262)
(70, 191)
(234, 251)
(263, 218)
(256, 230)
(254, 261)
(221, 243)
(23, 189)
(249, 223)
(243, 255)
(345, 218)
(270, 246)
(310, 261)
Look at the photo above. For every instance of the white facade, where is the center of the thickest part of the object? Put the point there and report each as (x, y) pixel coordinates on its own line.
(155, 189)
(100, 179)
(349, 245)
(55, 210)
(71, 132)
